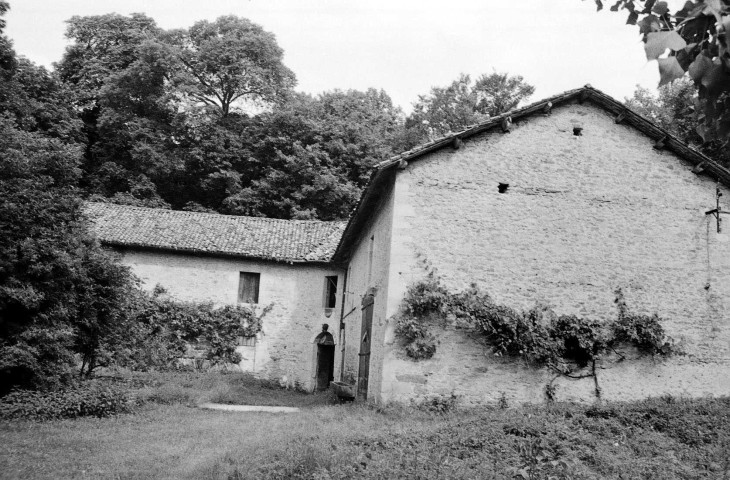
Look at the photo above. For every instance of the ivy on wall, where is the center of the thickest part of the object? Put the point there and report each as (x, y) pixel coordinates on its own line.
(565, 344)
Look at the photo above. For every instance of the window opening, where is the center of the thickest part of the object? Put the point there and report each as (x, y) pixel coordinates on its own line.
(330, 294)
(248, 287)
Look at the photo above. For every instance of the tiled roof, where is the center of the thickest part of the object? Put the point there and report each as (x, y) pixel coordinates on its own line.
(215, 234)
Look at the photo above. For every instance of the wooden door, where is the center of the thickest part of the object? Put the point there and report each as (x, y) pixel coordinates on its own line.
(365, 342)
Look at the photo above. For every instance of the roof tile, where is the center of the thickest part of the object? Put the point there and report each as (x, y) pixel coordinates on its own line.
(212, 233)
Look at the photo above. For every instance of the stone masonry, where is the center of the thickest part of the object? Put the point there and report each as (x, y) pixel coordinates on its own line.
(582, 216)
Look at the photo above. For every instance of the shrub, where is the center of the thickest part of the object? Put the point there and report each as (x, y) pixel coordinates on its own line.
(438, 403)
(424, 299)
(165, 328)
(78, 401)
(420, 343)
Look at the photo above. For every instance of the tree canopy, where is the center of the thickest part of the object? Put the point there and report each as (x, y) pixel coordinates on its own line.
(230, 60)
(60, 293)
(205, 118)
(463, 103)
(673, 109)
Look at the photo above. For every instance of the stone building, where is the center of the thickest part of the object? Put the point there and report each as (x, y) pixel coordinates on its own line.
(227, 259)
(557, 203)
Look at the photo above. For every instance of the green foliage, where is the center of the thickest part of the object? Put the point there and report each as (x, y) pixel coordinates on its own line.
(426, 297)
(228, 60)
(423, 299)
(643, 331)
(84, 400)
(439, 404)
(163, 330)
(674, 109)
(311, 157)
(169, 123)
(538, 459)
(60, 294)
(462, 104)
(697, 39)
(564, 343)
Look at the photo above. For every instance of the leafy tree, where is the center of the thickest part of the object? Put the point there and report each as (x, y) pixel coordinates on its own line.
(461, 104)
(118, 73)
(311, 157)
(38, 102)
(498, 93)
(673, 109)
(60, 294)
(696, 39)
(103, 45)
(230, 60)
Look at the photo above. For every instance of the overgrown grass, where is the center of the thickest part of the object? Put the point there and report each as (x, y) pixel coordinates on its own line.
(659, 438)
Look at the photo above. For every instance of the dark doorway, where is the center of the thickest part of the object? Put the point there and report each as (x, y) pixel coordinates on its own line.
(365, 342)
(325, 366)
(325, 358)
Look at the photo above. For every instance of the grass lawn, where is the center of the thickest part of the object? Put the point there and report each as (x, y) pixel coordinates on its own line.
(659, 438)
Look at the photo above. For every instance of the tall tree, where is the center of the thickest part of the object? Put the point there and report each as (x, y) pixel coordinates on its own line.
(230, 60)
(463, 103)
(120, 75)
(310, 157)
(694, 40)
(59, 292)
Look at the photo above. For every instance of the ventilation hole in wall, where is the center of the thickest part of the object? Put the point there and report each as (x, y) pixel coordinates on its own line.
(577, 131)
(502, 188)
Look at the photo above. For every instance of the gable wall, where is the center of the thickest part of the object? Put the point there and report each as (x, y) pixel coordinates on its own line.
(284, 350)
(582, 216)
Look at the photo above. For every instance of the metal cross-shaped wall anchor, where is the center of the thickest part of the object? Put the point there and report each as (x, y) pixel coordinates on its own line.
(717, 211)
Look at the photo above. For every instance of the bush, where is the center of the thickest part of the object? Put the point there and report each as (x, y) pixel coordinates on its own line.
(423, 299)
(438, 403)
(165, 328)
(86, 400)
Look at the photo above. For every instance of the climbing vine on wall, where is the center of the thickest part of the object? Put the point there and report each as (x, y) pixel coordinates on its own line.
(565, 344)
(424, 300)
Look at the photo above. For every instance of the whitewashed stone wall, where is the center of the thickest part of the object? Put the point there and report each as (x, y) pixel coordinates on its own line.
(358, 285)
(284, 350)
(582, 216)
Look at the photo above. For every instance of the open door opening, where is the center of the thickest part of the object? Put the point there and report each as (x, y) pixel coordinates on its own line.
(325, 359)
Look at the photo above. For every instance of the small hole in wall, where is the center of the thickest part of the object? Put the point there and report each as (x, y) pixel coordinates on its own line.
(502, 188)
(577, 131)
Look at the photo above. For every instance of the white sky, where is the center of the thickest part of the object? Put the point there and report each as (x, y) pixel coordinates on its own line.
(402, 46)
